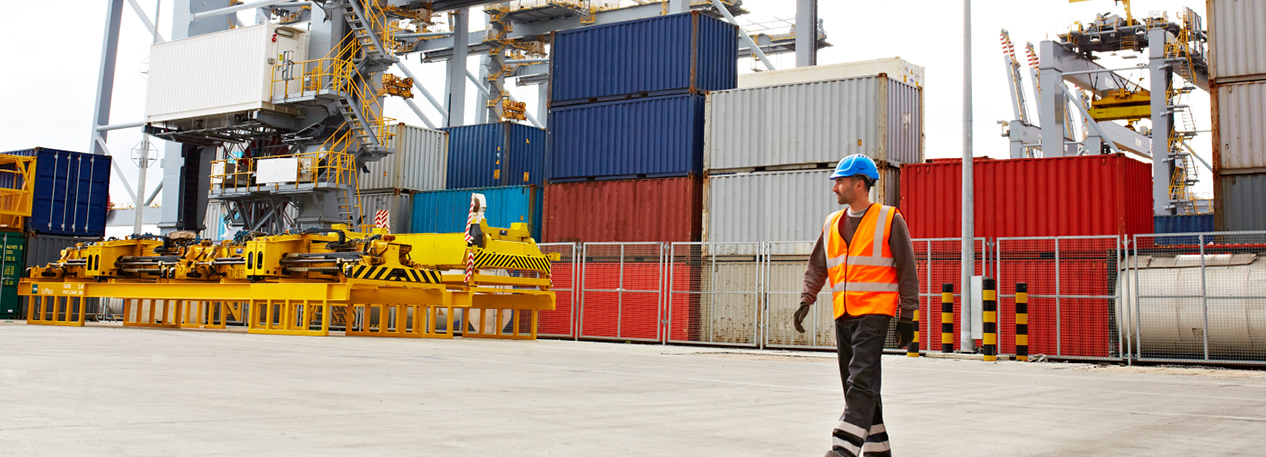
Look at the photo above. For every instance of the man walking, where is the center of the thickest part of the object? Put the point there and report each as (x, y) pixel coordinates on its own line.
(866, 254)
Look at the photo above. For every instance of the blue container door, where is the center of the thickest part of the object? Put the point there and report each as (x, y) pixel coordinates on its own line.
(526, 157)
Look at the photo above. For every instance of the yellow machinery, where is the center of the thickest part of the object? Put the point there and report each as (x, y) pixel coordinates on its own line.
(369, 283)
(17, 184)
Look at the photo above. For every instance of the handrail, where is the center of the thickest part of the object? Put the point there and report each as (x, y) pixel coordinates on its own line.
(318, 167)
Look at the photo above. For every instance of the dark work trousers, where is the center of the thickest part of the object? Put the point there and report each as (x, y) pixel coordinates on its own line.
(860, 342)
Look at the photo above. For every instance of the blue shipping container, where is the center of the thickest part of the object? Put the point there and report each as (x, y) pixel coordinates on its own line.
(445, 211)
(665, 55)
(71, 192)
(1183, 224)
(493, 155)
(643, 138)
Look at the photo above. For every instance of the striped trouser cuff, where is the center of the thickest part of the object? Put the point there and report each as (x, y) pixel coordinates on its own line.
(848, 439)
(876, 444)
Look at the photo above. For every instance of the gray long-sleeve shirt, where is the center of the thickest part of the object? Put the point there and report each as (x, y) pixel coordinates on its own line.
(899, 243)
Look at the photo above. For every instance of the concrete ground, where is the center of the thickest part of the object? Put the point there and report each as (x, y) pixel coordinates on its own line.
(123, 391)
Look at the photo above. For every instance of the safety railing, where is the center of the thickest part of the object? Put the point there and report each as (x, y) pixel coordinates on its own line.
(564, 275)
(714, 294)
(621, 292)
(281, 172)
(785, 264)
(17, 189)
(939, 262)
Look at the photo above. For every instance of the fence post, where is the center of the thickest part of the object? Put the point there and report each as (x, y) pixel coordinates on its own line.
(947, 318)
(1022, 322)
(989, 304)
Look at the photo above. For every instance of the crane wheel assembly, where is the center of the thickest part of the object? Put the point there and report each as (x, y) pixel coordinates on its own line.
(367, 283)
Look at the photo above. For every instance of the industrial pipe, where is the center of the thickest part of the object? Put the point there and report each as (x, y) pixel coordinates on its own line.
(245, 6)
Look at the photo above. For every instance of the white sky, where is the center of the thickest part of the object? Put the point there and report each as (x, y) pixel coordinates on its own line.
(50, 85)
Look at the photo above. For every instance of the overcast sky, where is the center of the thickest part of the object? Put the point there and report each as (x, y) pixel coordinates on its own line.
(51, 82)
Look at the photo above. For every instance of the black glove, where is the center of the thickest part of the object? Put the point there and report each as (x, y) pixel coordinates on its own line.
(904, 332)
(801, 313)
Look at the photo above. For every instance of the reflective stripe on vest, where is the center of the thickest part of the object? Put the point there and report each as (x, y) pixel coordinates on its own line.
(863, 273)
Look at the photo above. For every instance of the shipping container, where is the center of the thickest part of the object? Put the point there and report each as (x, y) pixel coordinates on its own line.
(446, 211)
(1191, 223)
(893, 67)
(1242, 202)
(215, 226)
(42, 249)
(800, 125)
(668, 209)
(675, 54)
(419, 163)
(1237, 40)
(1241, 127)
(1068, 196)
(222, 73)
(12, 266)
(779, 206)
(650, 137)
(71, 192)
(399, 207)
(493, 155)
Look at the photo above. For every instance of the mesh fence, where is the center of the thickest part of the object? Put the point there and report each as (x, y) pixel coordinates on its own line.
(1197, 297)
(561, 322)
(714, 293)
(784, 280)
(621, 291)
(1072, 295)
(939, 262)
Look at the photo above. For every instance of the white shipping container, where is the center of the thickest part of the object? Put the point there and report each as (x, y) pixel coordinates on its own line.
(1242, 126)
(1237, 40)
(218, 73)
(419, 163)
(399, 207)
(894, 67)
(813, 123)
(779, 206)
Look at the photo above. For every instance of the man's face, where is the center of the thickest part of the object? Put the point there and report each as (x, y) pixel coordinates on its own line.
(846, 188)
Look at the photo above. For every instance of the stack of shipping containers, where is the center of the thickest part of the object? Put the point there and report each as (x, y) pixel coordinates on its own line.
(771, 146)
(1237, 73)
(70, 205)
(626, 159)
(504, 161)
(419, 164)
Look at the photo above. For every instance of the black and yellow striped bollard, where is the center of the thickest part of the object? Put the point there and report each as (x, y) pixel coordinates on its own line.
(947, 318)
(1022, 322)
(913, 349)
(989, 301)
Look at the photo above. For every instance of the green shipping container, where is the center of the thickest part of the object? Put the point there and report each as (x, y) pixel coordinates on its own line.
(12, 264)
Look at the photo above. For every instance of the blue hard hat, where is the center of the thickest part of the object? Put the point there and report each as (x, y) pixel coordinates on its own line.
(854, 165)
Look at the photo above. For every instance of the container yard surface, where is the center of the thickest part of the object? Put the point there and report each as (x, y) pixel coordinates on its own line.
(113, 391)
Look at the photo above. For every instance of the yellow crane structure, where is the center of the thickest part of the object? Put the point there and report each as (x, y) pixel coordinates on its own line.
(369, 283)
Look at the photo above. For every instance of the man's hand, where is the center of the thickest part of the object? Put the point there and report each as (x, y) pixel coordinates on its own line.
(904, 332)
(799, 317)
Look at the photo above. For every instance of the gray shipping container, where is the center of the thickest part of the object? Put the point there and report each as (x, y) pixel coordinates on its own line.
(815, 122)
(778, 206)
(1241, 126)
(1237, 40)
(420, 162)
(215, 228)
(399, 206)
(1241, 202)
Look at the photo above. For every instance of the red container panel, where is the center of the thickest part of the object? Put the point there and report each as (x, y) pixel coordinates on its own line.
(1066, 196)
(635, 312)
(636, 210)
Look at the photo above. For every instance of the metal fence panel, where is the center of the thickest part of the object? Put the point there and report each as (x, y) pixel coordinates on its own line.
(1203, 302)
(621, 292)
(564, 274)
(714, 293)
(940, 262)
(1073, 295)
(784, 280)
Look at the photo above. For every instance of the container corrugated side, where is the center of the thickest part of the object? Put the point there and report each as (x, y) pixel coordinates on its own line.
(649, 137)
(497, 154)
(12, 267)
(1194, 223)
(42, 249)
(1243, 205)
(71, 191)
(1237, 39)
(778, 206)
(680, 53)
(1242, 126)
(636, 210)
(446, 211)
(894, 67)
(811, 123)
(419, 163)
(399, 207)
(1111, 195)
(215, 227)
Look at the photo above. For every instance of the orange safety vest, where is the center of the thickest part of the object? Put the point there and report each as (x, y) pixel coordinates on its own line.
(863, 273)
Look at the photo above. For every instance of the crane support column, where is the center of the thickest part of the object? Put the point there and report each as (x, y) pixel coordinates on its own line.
(457, 71)
(1051, 102)
(105, 75)
(1159, 75)
(806, 33)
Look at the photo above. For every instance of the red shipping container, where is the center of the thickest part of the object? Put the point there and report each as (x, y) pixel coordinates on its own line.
(669, 209)
(1068, 196)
